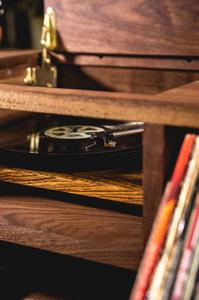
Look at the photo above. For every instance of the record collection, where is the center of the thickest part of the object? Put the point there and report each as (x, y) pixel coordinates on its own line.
(58, 143)
(170, 265)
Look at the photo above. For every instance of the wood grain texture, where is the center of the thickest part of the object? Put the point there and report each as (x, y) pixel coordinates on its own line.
(114, 186)
(108, 78)
(79, 231)
(154, 172)
(13, 58)
(13, 64)
(13, 75)
(130, 80)
(158, 27)
(178, 107)
(107, 73)
(141, 62)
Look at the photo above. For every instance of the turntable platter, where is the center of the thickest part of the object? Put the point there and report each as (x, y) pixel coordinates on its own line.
(53, 143)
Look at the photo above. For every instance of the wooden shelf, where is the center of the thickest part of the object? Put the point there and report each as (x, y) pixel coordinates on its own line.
(178, 107)
(94, 225)
(82, 231)
(117, 185)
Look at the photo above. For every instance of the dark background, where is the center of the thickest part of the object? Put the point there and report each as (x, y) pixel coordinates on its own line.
(21, 23)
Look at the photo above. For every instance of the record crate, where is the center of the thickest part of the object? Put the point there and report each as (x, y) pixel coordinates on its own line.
(111, 66)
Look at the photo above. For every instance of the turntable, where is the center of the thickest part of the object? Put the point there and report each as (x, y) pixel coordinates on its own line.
(49, 142)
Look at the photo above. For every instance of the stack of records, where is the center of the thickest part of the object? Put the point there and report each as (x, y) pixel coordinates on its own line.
(170, 265)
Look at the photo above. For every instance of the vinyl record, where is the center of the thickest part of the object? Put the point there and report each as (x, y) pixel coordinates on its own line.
(59, 144)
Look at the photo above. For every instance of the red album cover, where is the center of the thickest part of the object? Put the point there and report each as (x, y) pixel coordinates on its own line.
(162, 221)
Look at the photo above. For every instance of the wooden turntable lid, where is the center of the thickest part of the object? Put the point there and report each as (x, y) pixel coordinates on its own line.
(128, 27)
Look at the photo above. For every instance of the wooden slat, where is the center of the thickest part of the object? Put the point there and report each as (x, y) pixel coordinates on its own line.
(185, 94)
(114, 185)
(178, 107)
(143, 62)
(130, 80)
(13, 64)
(103, 78)
(107, 73)
(12, 58)
(143, 27)
(79, 231)
(154, 172)
(17, 53)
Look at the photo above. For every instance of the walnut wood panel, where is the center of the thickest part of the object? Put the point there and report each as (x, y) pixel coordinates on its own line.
(79, 231)
(144, 62)
(13, 64)
(158, 27)
(179, 107)
(13, 75)
(92, 73)
(141, 81)
(154, 172)
(115, 186)
(186, 93)
(13, 58)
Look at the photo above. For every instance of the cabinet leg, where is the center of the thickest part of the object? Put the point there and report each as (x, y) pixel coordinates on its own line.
(161, 147)
(154, 149)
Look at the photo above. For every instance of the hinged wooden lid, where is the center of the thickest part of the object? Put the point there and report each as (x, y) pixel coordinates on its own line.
(129, 27)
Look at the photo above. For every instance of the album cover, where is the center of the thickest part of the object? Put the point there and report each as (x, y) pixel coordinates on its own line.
(161, 223)
(176, 227)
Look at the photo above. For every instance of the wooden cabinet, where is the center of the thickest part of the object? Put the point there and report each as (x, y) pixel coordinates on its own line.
(118, 60)
(177, 107)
